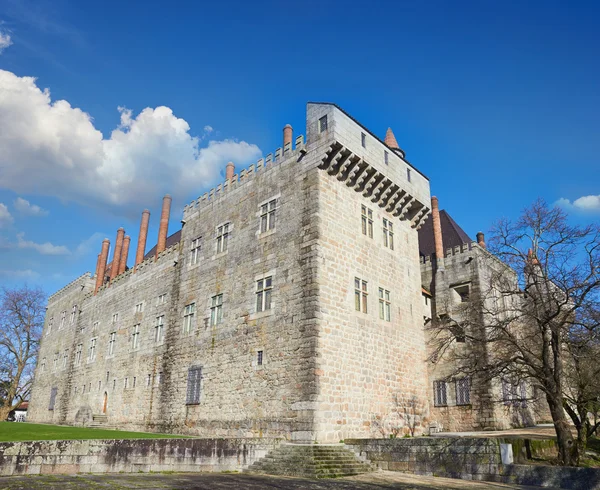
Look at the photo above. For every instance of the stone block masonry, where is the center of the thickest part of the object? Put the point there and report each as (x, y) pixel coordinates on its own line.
(247, 326)
(131, 456)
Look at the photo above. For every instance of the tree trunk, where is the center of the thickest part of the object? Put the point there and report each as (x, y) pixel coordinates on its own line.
(564, 437)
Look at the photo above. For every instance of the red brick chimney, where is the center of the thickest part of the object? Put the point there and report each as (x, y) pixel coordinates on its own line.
(288, 133)
(97, 265)
(114, 269)
(102, 264)
(143, 236)
(437, 230)
(481, 239)
(229, 171)
(163, 230)
(124, 254)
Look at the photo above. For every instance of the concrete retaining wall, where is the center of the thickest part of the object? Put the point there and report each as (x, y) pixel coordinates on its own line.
(113, 456)
(470, 459)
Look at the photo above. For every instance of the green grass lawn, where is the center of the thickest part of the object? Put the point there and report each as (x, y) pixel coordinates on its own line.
(23, 431)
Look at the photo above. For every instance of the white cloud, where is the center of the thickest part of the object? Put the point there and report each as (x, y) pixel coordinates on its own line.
(584, 203)
(5, 41)
(208, 129)
(89, 244)
(19, 274)
(5, 216)
(25, 207)
(42, 248)
(54, 149)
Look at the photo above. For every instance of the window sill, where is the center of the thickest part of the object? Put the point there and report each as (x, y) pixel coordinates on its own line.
(220, 254)
(265, 234)
(260, 314)
(195, 404)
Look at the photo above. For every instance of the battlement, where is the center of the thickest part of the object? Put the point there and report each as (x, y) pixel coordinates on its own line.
(263, 164)
(79, 282)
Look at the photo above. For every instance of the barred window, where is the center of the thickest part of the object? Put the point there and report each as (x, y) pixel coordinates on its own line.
(360, 294)
(135, 337)
(188, 317)
(440, 397)
(264, 288)
(112, 339)
(78, 352)
(216, 309)
(267, 216)
(509, 393)
(322, 124)
(367, 221)
(92, 351)
(159, 328)
(222, 237)
(385, 307)
(53, 393)
(388, 234)
(259, 357)
(463, 391)
(195, 251)
(194, 384)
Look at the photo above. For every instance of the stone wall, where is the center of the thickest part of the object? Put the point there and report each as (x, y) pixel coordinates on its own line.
(131, 456)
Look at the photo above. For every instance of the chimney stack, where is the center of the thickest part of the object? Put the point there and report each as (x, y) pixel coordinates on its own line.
(164, 224)
(287, 135)
(437, 231)
(124, 254)
(229, 171)
(141, 248)
(481, 239)
(103, 257)
(97, 265)
(114, 268)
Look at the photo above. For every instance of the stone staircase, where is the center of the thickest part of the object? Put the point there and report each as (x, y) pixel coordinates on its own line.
(100, 422)
(311, 461)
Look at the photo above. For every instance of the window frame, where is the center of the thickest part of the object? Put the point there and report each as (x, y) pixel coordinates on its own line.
(462, 387)
(264, 294)
(135, 336)
(216, 309)
(194, 386)
(223, 233)
(92, 349)
(388, 234)
(159, 329)
(440, 387)
(366, 215)
(53, 395)
(323, 124)
(195, 248)
(112, 340)
(361, 295)
(189, 312)
(385, 305)
(267, 215)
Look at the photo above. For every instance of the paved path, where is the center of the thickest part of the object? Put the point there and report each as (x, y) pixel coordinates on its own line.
(218, 481)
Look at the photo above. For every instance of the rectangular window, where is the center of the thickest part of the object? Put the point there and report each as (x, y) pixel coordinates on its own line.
(53, 393)
(134, 381)
(50, 324)
(259, 357)
(363, 140)
(63, 315)
(194, 251)
(126, 383)
(65, 358)
(188, 317)
(112, 339)
(107, 376)
(78, 352)
(216, 309)
(73, 314)
(92, 352)
(159, 329)
(222, 238)
(135, 337)
(367, 221)
(408, 174)
(55, 363)
(94, 328)
(360, 295)
(115, 317)
(159, 378)
(43, 365)
(263, 293)
(385, 307)
(114, 384)
(194, 383)
(148, 380)
(440, 397)
(463, 391)
(162, 299)
(386, 157)
(99, 385)
(463, 293)
(139, 307)
(267, 216)
(322, 124)
(388, 234)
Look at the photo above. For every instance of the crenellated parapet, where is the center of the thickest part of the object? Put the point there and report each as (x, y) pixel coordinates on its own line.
(362, 177)
(80, 283)
(262, 165)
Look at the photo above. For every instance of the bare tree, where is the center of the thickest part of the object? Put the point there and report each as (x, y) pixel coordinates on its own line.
(523, 323)
(21, 322)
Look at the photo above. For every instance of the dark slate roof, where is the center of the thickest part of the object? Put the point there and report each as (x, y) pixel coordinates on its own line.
(171, 240)
(452, 234)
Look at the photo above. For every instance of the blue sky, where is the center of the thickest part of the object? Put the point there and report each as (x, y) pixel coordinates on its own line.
(497, 102)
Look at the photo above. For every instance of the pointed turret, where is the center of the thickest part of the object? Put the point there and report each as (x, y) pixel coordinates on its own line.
(390, 140)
